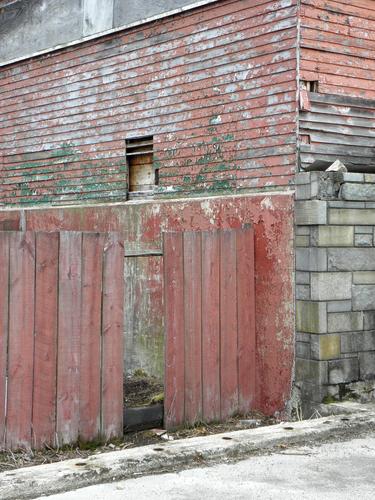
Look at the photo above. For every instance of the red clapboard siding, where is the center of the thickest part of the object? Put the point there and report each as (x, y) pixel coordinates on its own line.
(61, 316)
(210, 325)
(338, 46)
(216, 86)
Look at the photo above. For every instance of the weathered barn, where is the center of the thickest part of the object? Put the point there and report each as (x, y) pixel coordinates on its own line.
(200, 119)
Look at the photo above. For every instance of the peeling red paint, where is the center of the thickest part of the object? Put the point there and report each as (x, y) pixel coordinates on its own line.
(272, 217)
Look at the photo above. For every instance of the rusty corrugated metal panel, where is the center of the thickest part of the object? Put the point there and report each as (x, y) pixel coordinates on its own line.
(338, 127)
(338, 46)
(215, 86)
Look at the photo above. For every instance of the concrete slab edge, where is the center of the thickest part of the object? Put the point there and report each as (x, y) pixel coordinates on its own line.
(170, 456)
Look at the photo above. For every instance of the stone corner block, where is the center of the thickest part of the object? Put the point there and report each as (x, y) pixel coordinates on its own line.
(311, 317)
(311, 259)
(311, 371)
(325, 347)
(311, 212)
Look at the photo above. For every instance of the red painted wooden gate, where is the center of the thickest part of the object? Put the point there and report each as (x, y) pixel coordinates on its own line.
(61, 337)
(210, 325)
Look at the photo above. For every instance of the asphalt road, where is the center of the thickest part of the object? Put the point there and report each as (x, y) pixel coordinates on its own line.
(343, 470)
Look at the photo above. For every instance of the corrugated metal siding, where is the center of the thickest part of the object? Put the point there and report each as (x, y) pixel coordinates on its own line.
(215, 86)
(338, 127)
(338, 46)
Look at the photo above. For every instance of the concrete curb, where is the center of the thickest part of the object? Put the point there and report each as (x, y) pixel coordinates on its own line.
(69, 475)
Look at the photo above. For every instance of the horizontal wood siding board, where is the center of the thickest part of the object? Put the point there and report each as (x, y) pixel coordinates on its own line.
(75, 108)
(338, 46)
(338, 127)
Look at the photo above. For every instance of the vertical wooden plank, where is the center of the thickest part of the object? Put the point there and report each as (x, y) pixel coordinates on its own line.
(211, 325)
(45, 338)
(193, 323)
(112, 337)
(69, 342)
(90, 386)
(228, 321)
(174, 378)
(21, 339)
(4, 290)
(246, 318)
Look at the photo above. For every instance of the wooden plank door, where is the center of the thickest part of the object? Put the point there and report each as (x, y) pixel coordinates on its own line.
(210, 325)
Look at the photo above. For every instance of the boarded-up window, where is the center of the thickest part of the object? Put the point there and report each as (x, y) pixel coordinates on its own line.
(139, 155)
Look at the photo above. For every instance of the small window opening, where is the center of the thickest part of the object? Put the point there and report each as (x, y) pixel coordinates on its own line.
(310, 86)
(143, 177)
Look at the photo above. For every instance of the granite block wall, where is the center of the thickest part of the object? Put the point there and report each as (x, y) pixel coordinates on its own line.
(335, 285)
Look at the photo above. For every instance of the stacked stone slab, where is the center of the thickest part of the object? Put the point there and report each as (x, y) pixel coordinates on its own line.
(335, 284)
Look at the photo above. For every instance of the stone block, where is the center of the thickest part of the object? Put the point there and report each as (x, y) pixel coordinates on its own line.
(312, 393)
(311, 259)
(351, 342)
(363, 229)
(346, 204)
(303, 241)
(302, 278)
(302, 337)
(345, 322)
(303, 292)
(311, 212)
(332, 236)
(351, 216)
(303, 350)
(324, 347)
(303, 192)
(303, 230)
(358, 341)
(331, 286)
(367, 365)
(364, 277)
(363, 297)
(370, 178)
(351, 259)
(368, 341)
(302, 178)
(369, 317)
(311, 317)
(353, 177)
(363, 240)
(357, 192)
(341, 371)
(308, 370)
(339, 306)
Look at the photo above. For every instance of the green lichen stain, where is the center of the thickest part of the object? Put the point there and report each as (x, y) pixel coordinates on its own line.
(66, 149)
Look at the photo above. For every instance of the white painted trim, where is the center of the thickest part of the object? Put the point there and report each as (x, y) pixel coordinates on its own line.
(193, 5)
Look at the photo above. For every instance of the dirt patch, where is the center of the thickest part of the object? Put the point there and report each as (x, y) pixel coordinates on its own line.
(142, 390)
(16, 460)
